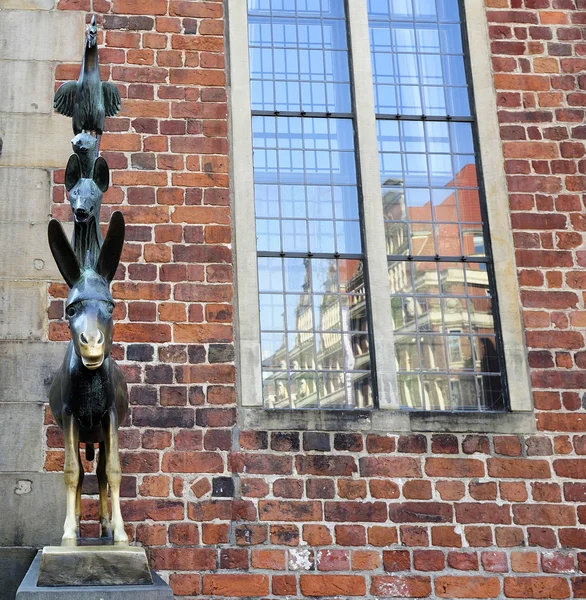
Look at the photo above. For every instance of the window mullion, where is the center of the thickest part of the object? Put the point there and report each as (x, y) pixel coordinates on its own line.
(372, 207)
(246, 274)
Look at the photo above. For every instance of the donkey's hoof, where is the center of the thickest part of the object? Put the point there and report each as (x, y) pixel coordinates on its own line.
(68, 540)
(106, 528)
(120, 538)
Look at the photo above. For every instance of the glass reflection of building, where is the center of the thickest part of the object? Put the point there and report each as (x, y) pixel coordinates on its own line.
(313, 313)
(319, 357)
(312, 294)
(442, 310)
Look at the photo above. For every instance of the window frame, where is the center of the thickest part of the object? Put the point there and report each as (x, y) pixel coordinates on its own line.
(387, 414)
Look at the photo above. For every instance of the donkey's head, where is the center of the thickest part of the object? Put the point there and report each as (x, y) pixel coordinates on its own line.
(89, 303)
(85, 194)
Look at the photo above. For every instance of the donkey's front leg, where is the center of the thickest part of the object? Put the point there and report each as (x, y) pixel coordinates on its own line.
(114, 473)
(78, 491)
(105, 526)
(72, 469)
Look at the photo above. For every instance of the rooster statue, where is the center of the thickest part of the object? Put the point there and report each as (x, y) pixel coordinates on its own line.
(88, 101)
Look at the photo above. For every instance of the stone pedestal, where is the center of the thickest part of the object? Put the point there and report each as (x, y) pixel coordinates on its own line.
(29, 590)
(88, 564)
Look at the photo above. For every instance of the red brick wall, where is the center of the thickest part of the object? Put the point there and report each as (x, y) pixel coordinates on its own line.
(333, 514)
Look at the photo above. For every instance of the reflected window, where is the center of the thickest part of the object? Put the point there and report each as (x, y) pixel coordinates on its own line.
(446, 346)
(316, 342)
(314, 319)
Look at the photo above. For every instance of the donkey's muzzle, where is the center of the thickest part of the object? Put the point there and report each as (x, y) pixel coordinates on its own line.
(91, 349)
(81, 215)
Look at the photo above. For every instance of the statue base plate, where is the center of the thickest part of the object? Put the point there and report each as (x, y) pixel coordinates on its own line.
(94, 565)
(30, 589)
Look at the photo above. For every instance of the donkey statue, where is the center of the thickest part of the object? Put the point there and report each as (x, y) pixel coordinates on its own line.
(85, 196)
(89, 397)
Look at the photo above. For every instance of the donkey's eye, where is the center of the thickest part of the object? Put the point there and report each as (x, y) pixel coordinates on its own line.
(70, 312)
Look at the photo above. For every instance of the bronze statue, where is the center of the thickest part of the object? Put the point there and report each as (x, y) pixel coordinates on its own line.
(85, 196)
(88, 101)
(85, 146)
(89, 396)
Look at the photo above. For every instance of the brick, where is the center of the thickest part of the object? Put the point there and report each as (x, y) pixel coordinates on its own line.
(444, 444)
(421, 512)
(365, 560)
(558, 562)
(449, 586)
(280, 510)
(325, 465)
(332, 560)
(536, 587)
(454, 467)
(317, 535)
(417, 490)
(184, 584)
(273, 560)
(543, 514)
(284, 585)
(379, 444)
(414, 443)
(524, 562)
(446, 536)
(463, 561)
(396, 560)
(320, 488)
(382, 488)
(183, 534)
(518, 468)
(251, 535)
(390, 467)
(350, 535)
(259, 464)
(193, 462)
(450, 490)
(355, 511)
(400, 586)
(139, 509)
(317, 441)
(428, 560)
(238, 585)
(485, 512)
(380, 536)
(332, 585)
(351, 489)
(350, 442)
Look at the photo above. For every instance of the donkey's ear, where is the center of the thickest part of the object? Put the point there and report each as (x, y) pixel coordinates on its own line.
(63, 253)
(72, 172)
(101, 174)
(112, 247)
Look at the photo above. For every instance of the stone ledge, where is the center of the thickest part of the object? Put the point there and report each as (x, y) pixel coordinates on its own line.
(391, 421)
(28, 589)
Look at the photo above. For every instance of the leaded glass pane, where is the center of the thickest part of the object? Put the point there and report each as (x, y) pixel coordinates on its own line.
(299, 56)
(305, 176)
(314, 327)
(443, 322)
(417, 57)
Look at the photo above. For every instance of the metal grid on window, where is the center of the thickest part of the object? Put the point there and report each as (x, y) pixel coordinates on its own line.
(447, 349)
(314, 333)
(417, 57)
(429, 188)
(313, 312)
(305, 185)
(299, 56)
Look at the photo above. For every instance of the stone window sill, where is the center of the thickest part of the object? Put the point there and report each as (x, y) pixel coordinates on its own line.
(517, 422)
